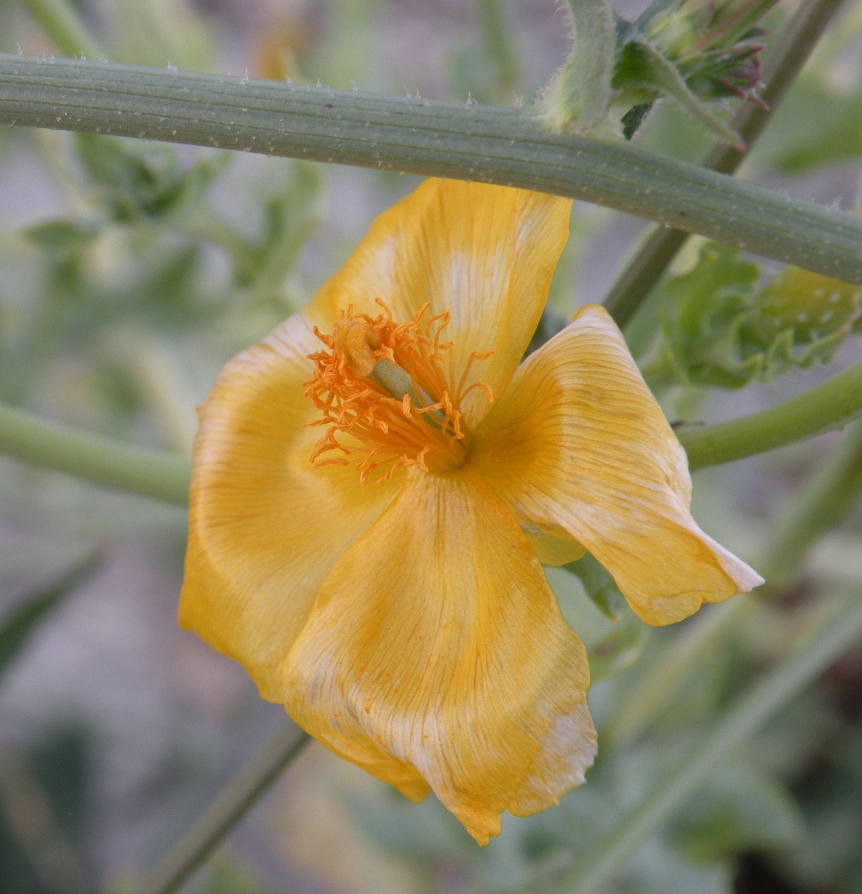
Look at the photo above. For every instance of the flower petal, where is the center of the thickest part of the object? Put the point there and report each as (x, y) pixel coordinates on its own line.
(265, 526)
(484, 253)
(553, 546)
(578, 440)
(437, 641)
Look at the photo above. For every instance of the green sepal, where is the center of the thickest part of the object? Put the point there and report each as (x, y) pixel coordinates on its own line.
(578, 97)
(645, 73)
(599, 586)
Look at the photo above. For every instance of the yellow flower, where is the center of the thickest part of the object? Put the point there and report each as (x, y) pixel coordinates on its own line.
(376, 483)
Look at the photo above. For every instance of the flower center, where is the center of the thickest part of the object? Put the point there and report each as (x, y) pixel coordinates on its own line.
(386, 395)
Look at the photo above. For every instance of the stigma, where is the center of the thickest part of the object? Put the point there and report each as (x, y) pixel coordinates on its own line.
(386, 396)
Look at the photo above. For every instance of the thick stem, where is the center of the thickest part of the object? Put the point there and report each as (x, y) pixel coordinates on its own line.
(493, 144)
(789, 55)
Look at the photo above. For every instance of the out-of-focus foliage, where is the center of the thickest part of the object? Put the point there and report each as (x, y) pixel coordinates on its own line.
(135, 270)
(820, 122)
(721, 327)
(17, 625)
(44, 813)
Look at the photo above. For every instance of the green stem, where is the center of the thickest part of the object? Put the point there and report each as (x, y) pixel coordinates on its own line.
(495, 17)
(234, 802)
(789, 55)
(829, 405)
(500, 145)
(164, 476)
(829, 640)
(826, 500)
(160, 476)
(62, 24)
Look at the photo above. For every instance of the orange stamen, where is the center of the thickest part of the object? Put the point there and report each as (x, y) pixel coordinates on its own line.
(372, 428)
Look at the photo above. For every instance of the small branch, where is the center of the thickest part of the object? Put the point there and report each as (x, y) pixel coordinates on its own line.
(792, 50)
(235, 801)
(160, 476)
(829, 405)
(63, 25)
(165, 476)
(487, 143)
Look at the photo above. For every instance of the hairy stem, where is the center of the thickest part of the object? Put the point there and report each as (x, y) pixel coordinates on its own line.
(488, 143)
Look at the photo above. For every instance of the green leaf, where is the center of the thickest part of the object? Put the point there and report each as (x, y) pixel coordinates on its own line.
(807, 309)
(63, 236)
(290, 217)
(134, 181)
(18, 625)
(719, 329)
(701, 311)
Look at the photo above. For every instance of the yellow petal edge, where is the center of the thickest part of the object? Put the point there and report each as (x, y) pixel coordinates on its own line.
(579, 441)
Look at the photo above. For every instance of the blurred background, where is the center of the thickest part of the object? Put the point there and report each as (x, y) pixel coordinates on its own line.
(130, 272)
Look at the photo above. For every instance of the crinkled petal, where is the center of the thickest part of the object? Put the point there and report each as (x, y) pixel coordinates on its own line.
(437, 642)
(484, 253)
(579, 441)
(266, 527)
